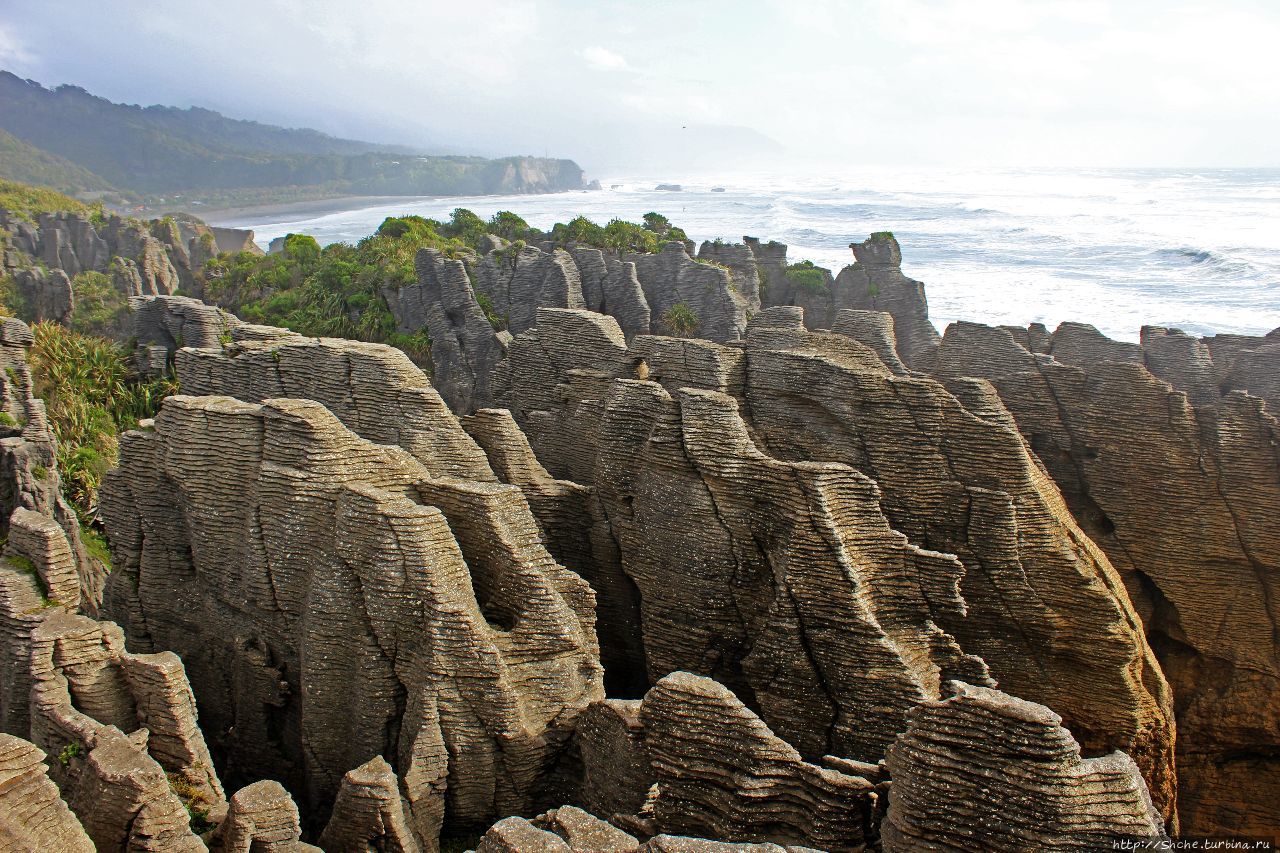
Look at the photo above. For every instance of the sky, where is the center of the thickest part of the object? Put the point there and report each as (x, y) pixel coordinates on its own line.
(656, 84)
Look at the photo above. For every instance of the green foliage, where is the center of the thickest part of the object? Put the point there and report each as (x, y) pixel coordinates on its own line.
(101, 309)
(195, 802)
(96, 544)
(8, 420)
(72, 750)
(808, 277)
(22, 564)
(661, 225)
(881, 236)
(498, 321)
(40, 472)
(25, 201)
(509, 226)
(619, 235)
(91, 395)
(21, 161)
(680, 320)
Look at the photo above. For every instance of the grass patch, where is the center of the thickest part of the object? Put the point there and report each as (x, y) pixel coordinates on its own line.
(26, 202)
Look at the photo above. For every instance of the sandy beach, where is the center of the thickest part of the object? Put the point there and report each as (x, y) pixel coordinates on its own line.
(246, 215)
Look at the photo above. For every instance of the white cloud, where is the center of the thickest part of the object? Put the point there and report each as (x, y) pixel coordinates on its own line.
(602, 57)
(11, 50)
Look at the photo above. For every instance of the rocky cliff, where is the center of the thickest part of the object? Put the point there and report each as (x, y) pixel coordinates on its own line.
(826, 583)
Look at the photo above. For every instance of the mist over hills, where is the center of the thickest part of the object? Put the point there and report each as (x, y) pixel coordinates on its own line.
(74, 141)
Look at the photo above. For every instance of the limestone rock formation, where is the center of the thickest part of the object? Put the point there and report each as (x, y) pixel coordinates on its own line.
(840, 526)
(1183, 500)
(29, 472)
(334, 600)
(982, 771)
(133, 760)
(721, 773)
(47, 292)
(672, 280)
(262, 816)
(32, 814)
(369, 813)
(875, 282)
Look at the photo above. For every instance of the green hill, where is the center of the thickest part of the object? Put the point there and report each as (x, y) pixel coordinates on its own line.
(20, 161)
(165, 150)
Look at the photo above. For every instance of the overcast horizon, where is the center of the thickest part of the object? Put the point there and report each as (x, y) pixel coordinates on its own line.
(622, 86)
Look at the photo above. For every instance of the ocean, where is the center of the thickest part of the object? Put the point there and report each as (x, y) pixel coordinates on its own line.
(1194, 249)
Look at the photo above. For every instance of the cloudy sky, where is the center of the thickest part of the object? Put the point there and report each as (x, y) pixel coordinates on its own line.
(610, 83)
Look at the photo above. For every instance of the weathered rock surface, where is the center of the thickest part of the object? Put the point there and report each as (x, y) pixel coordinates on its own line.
(29, 472)
(262, 816)
(333, 600)
(875, 282)
(133, 759)
(721, 773)
(1183, 499)
(982, 771)
(47, 294)
(821, 499)
(369, 813)
(32, 814)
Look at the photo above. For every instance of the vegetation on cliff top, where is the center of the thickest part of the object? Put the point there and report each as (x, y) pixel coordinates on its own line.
(619, 235)
(91, 394)
(809, 277)
(26, 201)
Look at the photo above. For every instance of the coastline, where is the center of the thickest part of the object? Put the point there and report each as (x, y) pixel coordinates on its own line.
(245, 215)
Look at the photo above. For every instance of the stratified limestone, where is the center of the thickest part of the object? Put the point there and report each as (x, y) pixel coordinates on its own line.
(729, 586)
(47, 293)
(464, 345)
(1081, 344)
(789, 584)
(617, 773)
(723, 774)
(670, 278)
(369, 813)
(1183, 500)
(873, 329)
(28, 465)
(985, 772)
(577, 534)
(517, 835)
(875, 282)
(375, 390)
(32, 814)
(744, 272)
(262, 817)
(334, 601)
(41, 543)
(585, 832)
(955, 476)
(163, 325)
(131, 756)
(610, 286)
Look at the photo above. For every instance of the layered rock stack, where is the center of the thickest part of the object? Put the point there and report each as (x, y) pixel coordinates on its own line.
(753, 586)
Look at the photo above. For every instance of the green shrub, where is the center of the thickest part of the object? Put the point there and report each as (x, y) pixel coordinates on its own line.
(680, 320)
(101, 309)
(70, 751)
(8, 420)
(91, 395)
(498, 321)
(808, 277)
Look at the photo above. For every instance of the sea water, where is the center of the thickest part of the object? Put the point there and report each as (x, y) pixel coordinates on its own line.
(1194, 249)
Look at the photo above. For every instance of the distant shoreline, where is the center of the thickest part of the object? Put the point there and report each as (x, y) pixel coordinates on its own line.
(240, 216)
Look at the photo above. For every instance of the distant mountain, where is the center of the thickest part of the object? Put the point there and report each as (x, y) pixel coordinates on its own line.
(165, 150)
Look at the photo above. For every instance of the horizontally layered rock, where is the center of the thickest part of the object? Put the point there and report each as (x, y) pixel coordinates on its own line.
(875, 282)
(369, 813)
(672, 281)
(1184, 501)
(760, 580)
(464, 344)
(985, 772)
(955, 476)
(132, 758)
(32, 814)
(334, 600)
(374, 390)
(262, 816)
(721, 773)
(28, 467)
